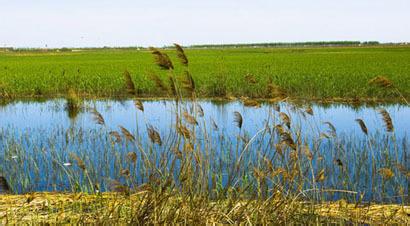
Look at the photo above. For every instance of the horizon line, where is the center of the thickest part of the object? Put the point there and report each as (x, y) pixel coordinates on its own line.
(240, 44)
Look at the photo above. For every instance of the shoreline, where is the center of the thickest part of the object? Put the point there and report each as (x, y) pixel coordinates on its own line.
(54, 207)
(335, 100)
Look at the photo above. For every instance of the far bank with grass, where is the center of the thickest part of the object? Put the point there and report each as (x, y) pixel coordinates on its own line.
(304, 73)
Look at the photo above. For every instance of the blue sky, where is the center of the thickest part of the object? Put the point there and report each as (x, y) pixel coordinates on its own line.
(93, 23)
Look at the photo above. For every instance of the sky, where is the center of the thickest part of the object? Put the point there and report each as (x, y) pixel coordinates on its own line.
(97, 23)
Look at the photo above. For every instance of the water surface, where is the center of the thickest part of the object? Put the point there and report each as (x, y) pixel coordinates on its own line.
(36, 139)
(50, 114)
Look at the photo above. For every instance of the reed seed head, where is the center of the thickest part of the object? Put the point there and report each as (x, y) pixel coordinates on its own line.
(238, 119)
(181, 54)
(362, 125)
(138, 104)
(309, 110)
(184, 131)
(285, 118)
(381, 81)
(132, 156)
(116, 135)
(127, 134)
(98, 118)
(387, 120)
(158, 82)
(78, 160)
(161, 59)
(154, 135)
(189, 118)
(386, 173)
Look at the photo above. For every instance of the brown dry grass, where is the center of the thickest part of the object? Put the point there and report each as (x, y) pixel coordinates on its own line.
(120, 208)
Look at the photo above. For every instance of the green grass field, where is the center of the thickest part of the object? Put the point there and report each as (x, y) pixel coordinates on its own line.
(308, 73)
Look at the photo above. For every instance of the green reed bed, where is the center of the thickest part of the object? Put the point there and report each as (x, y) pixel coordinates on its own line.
(308, 73)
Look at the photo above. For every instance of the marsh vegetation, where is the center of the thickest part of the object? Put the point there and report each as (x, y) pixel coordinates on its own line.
(281, 165)
(330, 73)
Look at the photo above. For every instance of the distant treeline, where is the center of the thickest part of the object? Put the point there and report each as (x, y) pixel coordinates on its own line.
(288, 44)
(66, 49)
(204, 46)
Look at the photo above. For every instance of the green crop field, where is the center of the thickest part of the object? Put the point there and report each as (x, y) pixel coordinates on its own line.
(308, 73)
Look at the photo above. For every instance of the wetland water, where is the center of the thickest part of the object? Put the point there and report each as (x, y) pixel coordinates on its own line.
(36, 139)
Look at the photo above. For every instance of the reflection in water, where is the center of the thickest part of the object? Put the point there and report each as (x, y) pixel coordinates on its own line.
(52, 113)
(39, 140)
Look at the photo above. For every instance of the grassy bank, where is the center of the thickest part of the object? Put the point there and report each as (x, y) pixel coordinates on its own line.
(106, 208)
(309, 73)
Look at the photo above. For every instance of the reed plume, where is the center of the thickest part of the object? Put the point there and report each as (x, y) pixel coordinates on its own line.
(320, 176)
(138, 104)
(214, 125)
(279, 129)
(189, 118)
(362, 125)
(200, 110)
(238, 119)
(116, 135)
(98, 118)
(130, 86)
(154, 135)
(307, 152)
(127, 134)
(384, 82)
(332, 128)
(285, 118)
(78, 160)
(161, 59)
(181, 54)
(125, 172)
(158, 82)
(184, 131)
(309, 110)
(387, 120)
(132, 156)
(386, 173)
(287, 139)
(381, 81)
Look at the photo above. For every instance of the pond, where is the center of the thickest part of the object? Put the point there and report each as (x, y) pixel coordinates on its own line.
(46, 147)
